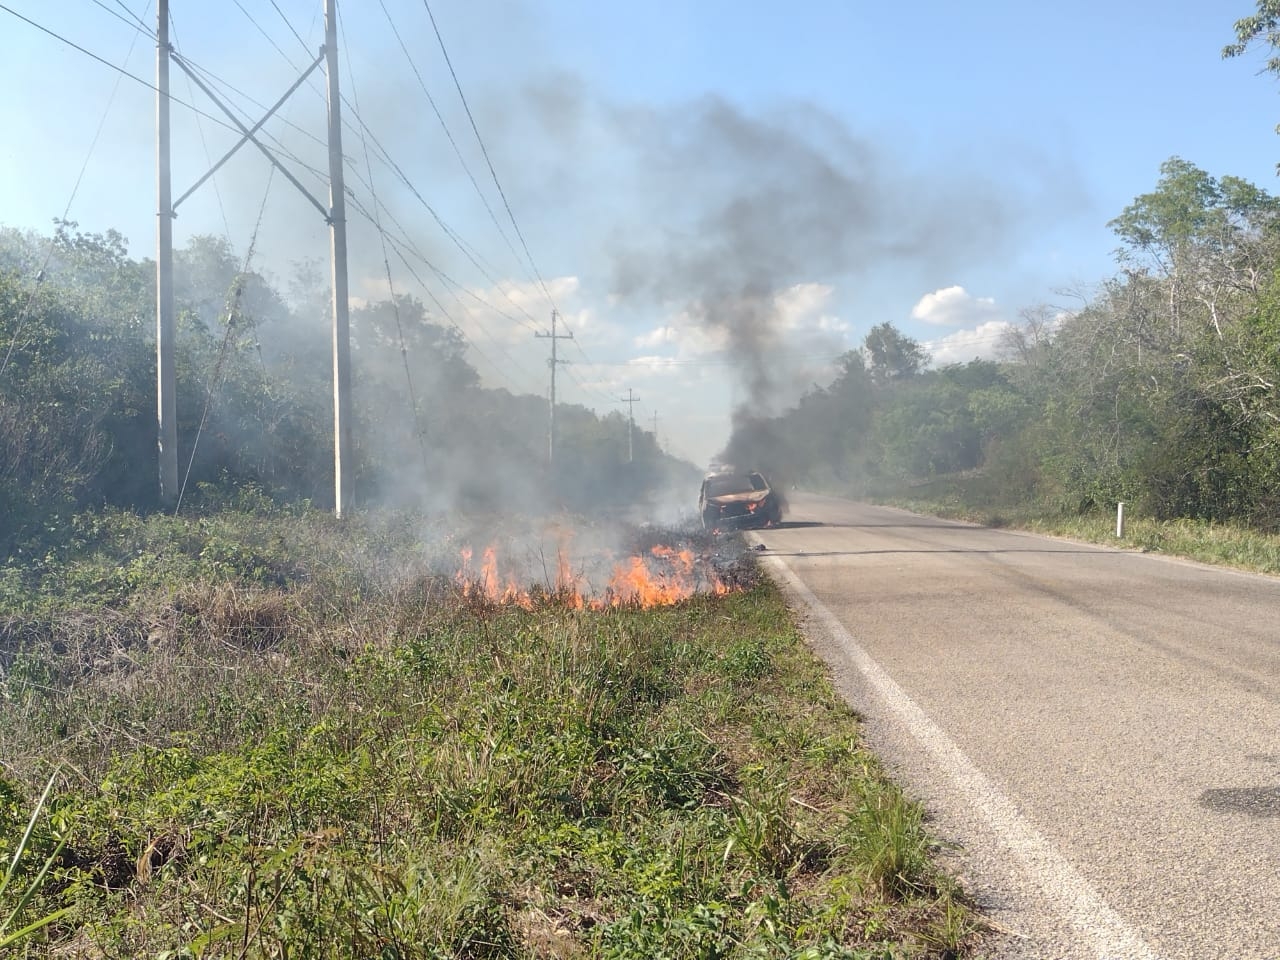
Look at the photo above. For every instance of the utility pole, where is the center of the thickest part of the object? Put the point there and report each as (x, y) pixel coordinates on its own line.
(630, 400)
(338, 249)
(551, 419)
(166, 381)
(335, 215)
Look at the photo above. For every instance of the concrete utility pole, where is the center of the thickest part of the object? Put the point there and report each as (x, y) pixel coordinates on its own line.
(338, 248)
(655, 431)
(630, 400)
(166, 381)
(551, 419)
(334, 214)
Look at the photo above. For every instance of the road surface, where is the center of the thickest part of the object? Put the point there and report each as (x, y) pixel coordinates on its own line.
(1098, 730)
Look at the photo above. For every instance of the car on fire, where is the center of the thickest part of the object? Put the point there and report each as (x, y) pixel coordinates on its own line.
(738, 500)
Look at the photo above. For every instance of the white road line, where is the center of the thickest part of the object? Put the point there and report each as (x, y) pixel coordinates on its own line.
(1097, 924)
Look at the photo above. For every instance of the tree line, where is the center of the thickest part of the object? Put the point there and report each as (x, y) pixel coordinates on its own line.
(77, 395)
(1159, 390)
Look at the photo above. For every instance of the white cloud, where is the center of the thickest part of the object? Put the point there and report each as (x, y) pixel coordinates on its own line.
(802, 314)
(658, 337)
(803, 305)
(955, 307)
(685, 336)
(980, 343)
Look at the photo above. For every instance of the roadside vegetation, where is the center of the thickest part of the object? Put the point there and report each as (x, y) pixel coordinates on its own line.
(271, 734)
(1206, 541)
(1159, 387)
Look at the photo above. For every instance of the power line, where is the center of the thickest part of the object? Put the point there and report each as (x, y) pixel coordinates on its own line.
(233, 308)
(384, 156)
(137, 19)
(453, 323)
(26, 310)
(708, 362)
(301, 42)
(447, 132)
(386, 262)
(128, 21)
(448, 231)
(364, 130)
(268, 36)
(400, 246)
(107, 63)
(204, 142)
(445, 278)
(599, 393)
(485, 153)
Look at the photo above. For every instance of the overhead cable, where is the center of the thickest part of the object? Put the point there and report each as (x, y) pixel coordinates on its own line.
(107, 63)
(233, 308)
(386, 262)
(485, 153)
(447, 132)
(39, 277)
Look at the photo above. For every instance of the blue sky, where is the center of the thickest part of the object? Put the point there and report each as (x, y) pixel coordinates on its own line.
(720, 197)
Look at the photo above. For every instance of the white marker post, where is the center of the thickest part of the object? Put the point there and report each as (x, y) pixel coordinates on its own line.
(1120, 519)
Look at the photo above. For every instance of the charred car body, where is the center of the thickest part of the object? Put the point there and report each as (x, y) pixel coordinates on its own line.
(737, 501)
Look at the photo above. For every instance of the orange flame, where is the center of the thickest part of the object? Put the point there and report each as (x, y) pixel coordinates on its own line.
(671, 576)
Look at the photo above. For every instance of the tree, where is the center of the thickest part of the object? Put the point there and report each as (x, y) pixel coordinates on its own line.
(891, 355)
(1264, 24)
(1263, 27)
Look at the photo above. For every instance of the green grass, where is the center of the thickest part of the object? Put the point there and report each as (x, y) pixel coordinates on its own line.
(284, 737)
(1202, 540)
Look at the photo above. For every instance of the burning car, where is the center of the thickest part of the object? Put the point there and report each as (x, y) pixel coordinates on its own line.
(738, 500)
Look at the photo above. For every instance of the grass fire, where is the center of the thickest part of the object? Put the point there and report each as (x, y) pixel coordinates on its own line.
(663, 576)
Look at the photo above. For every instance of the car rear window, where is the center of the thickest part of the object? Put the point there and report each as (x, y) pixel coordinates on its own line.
(719, 486)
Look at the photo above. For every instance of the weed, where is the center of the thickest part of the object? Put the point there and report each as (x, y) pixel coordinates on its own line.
(761, 828)
(15, 925)
(886, 835)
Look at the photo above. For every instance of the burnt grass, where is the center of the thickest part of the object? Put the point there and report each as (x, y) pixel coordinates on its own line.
(354, 760)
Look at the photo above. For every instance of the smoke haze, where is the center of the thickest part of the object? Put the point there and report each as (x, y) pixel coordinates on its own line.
(740, 207)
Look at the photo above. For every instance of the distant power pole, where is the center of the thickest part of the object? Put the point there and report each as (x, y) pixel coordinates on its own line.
(655, 431)
(630, 400)
(552, 363)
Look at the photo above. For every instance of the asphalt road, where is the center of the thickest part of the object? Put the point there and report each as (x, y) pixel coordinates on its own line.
(1097, 730)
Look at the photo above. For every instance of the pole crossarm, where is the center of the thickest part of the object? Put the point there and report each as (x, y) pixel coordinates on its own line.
(248, 135)
(553, 363)
(252, 130)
